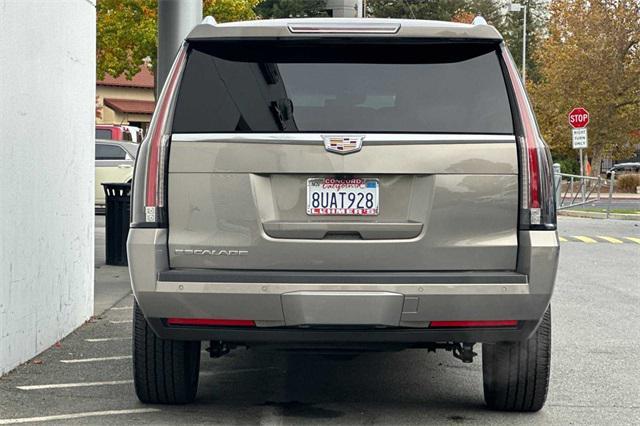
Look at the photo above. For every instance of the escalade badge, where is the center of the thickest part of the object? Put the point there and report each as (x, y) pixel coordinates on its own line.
(212, 252)
(343, 144)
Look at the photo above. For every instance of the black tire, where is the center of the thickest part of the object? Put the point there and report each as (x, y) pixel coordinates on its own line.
(164, 371)
(516, 374)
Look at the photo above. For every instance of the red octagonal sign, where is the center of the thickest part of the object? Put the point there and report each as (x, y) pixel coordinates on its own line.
(578, 118)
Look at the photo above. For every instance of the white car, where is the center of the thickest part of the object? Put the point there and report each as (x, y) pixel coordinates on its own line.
(114, 164)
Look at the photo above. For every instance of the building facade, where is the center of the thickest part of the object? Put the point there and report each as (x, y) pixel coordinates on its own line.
(124, 102)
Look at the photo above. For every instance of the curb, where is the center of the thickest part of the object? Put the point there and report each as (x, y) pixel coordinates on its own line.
(598, 215)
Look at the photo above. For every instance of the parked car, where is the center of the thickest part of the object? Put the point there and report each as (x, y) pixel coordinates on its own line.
(119, 133)
(343, 185)
(114, 164)
(623, 168)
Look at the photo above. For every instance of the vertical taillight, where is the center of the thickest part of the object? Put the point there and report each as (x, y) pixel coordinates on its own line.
(159, 134)
(537, 195)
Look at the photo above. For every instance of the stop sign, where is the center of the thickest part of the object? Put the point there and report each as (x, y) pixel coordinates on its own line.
(578, 118)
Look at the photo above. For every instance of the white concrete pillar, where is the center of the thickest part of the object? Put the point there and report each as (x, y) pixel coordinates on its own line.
(47, 110)
(345, 8)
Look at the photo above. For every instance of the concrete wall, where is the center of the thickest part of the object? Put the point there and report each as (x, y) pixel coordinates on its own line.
(47, 89)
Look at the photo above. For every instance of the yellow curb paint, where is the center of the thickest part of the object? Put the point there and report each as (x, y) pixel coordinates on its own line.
(585, 239)
(635, 240)
(611, 239)
(563, 239)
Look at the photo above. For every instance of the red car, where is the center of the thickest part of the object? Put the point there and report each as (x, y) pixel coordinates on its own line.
(119, 133)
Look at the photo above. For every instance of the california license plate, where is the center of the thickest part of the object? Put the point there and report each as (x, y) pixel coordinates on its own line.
(353, 197)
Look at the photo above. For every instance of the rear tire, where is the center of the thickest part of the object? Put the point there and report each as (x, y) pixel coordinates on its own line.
(164, 371)
(516, 374)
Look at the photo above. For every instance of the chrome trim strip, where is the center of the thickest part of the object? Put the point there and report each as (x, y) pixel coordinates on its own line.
(275, 288)
(317, 138)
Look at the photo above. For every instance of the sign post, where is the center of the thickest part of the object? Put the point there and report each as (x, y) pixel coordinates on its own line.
(578, 120)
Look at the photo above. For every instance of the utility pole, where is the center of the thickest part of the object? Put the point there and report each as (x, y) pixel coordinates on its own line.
(175, 19)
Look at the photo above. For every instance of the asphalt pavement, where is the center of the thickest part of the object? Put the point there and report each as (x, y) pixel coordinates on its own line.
(86, 379)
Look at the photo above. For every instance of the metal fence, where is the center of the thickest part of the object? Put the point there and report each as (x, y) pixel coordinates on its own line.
(575, 190)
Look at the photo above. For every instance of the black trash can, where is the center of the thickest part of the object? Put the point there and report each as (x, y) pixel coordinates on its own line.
(118, 201)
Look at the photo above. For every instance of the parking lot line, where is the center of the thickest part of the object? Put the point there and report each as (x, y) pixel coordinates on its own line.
(635, 240)
(77, 415)
(106, 339)
(611, 239)
(585, 239)
(74, 385)
(122, 308)
(106, 358)
(563, 239)
(121, 322)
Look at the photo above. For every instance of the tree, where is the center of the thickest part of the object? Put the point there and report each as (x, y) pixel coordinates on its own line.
(291, 9)
(591, 58)
(452, 10)
(126, 31)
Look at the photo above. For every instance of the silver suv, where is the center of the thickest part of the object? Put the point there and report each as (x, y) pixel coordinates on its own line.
(341, 185)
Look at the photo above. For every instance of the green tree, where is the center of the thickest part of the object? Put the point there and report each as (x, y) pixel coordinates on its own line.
(591, 58)
(450, 10)
(415, 9)
(126, 31)
(291, 9)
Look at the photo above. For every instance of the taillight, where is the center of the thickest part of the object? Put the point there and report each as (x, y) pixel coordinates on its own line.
(159, 134)
(537, 194)
(468, 324)
(211, 322)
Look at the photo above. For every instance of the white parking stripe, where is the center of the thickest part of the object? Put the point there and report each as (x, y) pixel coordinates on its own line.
(74, 385)
(122, 308)
(77, 415)
(121, 322)
(106, 339)
(106, 358)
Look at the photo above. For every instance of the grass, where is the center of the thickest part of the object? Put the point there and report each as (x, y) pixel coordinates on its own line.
(599, 210)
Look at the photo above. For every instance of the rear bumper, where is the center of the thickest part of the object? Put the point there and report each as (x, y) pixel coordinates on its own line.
(395, 307)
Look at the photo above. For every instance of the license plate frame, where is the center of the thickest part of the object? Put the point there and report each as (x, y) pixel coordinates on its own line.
(335, 198)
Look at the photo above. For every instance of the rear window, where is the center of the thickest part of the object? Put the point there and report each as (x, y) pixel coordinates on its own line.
(110, 152)
(267, 86)
(103, 133)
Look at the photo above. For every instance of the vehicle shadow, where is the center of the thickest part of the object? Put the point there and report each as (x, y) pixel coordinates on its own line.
(411, 385)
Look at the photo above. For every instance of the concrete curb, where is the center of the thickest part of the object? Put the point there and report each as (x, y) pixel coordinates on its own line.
(598, 215)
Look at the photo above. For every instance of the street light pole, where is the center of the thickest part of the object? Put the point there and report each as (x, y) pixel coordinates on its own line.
(517, 7)
(524, 46)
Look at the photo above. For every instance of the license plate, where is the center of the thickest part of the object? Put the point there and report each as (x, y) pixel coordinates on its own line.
(346, 197)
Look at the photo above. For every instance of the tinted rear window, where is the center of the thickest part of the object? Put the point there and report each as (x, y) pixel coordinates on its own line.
(266, 86)
(110, 152)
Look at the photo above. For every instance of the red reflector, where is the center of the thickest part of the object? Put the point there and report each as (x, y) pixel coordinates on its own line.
(500, 323)
(211, 321)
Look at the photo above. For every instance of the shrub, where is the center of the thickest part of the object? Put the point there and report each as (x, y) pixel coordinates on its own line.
(569, 165)
(627, 182)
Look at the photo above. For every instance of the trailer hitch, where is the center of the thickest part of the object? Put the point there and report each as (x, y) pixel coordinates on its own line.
(463, 351)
